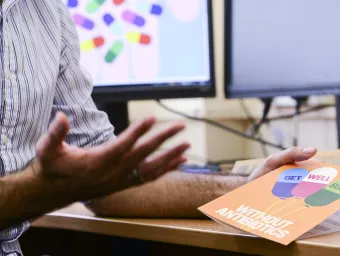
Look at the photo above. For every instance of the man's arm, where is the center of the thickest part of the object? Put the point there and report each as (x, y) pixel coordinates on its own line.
(176, 194)
(61, 174)
(179, 194)
(27, 195)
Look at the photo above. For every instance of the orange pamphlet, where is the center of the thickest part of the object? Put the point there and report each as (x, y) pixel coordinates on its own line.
(283, 205)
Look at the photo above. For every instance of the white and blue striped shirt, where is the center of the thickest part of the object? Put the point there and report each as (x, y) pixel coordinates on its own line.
(40, 75)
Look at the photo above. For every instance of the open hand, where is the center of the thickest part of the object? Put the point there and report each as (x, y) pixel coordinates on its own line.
(100, 170)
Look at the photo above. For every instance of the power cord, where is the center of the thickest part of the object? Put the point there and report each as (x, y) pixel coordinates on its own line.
(296, 119)
(252, 120)
(238, 133)
(221, 126)
(266, 108)
(301, 112)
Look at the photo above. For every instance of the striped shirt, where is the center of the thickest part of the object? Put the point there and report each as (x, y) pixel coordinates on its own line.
(40, 75)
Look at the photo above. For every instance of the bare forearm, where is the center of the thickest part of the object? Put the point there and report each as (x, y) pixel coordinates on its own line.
(176, 194)
(26, 195)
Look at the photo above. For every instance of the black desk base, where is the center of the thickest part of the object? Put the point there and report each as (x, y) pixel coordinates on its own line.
(40, 241)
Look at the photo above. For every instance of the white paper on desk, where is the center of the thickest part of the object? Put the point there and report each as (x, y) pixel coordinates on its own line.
(330, 225)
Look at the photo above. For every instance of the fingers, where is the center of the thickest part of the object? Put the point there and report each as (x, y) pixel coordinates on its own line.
(143, 150)
(53, 140)
(174, 164)
(114, 151)
(167, 161)
(289, 156)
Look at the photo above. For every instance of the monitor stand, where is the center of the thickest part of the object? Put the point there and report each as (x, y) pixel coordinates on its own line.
(118, 114)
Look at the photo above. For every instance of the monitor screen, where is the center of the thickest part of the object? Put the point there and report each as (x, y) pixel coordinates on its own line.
(283, 47)
(142, 49)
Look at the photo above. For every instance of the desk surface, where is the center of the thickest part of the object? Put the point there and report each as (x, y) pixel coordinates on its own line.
(199, 233)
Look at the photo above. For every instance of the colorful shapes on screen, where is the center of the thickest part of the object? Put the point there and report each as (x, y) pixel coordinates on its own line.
(83, 21)
(94, 5)
(118, 2)
(91, 44)
(72, 3)
(113, 24)
(108, 19)
(326, 196)
(147, 7)
(133, 18)
(156, 9)
(287, 180)
(114, 51)
(314, 181)
(138, 38)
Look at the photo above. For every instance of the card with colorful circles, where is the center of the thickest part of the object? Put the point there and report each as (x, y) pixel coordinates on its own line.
(277, 205)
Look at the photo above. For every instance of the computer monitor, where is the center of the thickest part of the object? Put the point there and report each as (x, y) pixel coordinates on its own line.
(141, 49)
(282, 47)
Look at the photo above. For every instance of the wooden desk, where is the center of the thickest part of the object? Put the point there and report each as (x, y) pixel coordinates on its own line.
(197, 233)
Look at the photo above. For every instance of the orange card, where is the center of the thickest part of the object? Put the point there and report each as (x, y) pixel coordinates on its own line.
(282, 205)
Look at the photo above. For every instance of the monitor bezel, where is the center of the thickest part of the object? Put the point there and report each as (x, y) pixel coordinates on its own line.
(119, 93)
(233, 90)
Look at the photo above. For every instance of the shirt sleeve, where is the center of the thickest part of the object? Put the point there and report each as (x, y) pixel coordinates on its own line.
(88, 125)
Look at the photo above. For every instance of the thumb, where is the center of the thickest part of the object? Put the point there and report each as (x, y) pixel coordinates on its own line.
(51, 142)
(288, 156)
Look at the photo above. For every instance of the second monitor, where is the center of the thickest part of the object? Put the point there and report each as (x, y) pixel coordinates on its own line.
(282, 47)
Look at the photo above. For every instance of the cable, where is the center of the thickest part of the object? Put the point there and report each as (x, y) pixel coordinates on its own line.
(296, 120)
(267, 105)
(221, 126)
(299, 102)
(311, 109)
(252, 120)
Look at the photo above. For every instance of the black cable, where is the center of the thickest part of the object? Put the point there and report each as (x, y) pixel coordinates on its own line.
(289, 116)
(221, 126)
(299, 102)
(252, 120)
(230, 161)
(266, 108)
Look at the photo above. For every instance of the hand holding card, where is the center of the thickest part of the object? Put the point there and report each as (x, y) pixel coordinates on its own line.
(277, 205)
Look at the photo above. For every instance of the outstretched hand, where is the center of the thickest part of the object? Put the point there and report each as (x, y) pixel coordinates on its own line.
(107, 168)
